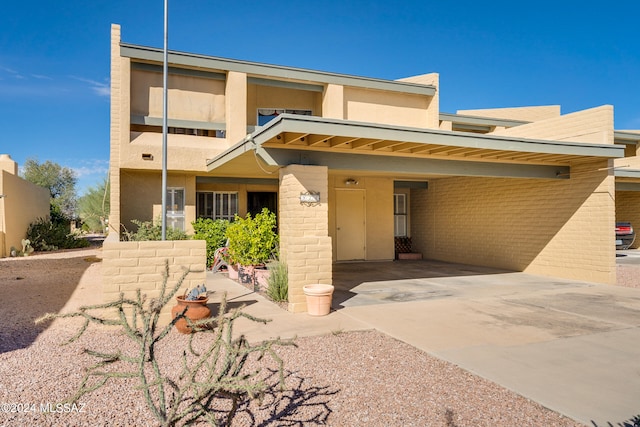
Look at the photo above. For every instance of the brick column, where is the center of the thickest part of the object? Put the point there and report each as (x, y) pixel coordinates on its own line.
(305, 245)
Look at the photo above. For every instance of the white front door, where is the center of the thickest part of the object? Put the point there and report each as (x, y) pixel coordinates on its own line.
(175, 208)
(350, 225)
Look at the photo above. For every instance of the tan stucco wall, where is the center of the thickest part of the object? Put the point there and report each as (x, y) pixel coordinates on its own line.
(526, 114)
(556, 228)
(128, 266)
(189, 98)
(628, 209)
(22, 204)
(378, 214)
(275, 97)
(305, 245)
(375, 106)
(142, 196)
(594, 125)
(433, 103)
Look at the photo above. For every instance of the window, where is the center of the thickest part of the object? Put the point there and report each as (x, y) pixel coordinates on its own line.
(265, 115)
(216, 205)
(212, 133)
(400, 215)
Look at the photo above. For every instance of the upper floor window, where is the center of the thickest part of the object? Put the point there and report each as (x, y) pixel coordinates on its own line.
(265, 115)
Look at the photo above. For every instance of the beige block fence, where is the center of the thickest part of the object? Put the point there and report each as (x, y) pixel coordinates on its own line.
(128, 266)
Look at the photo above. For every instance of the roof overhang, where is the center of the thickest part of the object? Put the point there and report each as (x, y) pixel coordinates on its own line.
(349, 145)
(212, 64)
(626, 137)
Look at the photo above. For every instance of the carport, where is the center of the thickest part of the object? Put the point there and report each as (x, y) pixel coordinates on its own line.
(501, 202)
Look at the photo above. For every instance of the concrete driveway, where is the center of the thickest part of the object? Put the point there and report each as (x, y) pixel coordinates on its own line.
(572, 346)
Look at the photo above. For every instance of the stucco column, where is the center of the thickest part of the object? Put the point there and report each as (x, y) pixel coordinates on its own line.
(333, 102)
(116, 133)
(236, 106)
(305, 245)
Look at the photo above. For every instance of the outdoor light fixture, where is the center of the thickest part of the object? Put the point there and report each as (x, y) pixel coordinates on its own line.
(147, 156)
(350, 181)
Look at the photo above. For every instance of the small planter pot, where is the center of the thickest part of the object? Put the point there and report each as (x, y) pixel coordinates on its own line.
(232, 270)
(318, 298)
(261, 275)
(196, 310)
(247, 276)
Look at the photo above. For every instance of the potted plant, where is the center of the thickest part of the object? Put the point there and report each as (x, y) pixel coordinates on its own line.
(252, 242)
(192, 305)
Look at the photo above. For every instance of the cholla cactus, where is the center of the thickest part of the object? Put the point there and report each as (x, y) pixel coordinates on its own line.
(218, 372)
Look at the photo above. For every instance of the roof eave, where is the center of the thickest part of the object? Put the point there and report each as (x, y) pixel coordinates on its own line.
(185, 59)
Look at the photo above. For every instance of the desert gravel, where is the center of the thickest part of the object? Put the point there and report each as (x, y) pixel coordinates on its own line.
(341, 379)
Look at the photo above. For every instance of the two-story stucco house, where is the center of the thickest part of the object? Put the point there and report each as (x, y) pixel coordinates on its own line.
(350, 163)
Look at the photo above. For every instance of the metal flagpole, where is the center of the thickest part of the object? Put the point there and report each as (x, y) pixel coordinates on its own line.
(165, 71)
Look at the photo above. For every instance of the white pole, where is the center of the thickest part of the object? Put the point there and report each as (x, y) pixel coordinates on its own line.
(165, 71)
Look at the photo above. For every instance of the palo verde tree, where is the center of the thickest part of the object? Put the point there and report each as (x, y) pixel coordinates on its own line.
(60, 181)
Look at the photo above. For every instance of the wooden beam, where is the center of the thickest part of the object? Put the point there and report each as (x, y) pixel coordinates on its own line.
(338, 141)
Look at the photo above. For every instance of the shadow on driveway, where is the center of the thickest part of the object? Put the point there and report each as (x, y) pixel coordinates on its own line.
(33, 286)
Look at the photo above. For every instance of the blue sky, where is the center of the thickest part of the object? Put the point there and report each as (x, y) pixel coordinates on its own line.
(54, 57)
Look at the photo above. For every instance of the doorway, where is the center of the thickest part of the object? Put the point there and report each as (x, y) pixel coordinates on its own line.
(256, 200)
(350, 225)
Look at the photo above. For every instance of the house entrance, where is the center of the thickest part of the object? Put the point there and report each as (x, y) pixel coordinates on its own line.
(256, 200)
(350, 225)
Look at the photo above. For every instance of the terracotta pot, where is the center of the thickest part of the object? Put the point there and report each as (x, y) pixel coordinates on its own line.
(196, 310)
(232, 270)
(318, 298)
(247, 276)
(261, 278)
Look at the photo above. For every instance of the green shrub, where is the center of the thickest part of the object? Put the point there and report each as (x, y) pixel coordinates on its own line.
(253, 241)
(47, 236)
(147, 230)
(213, 231)
(278, 283)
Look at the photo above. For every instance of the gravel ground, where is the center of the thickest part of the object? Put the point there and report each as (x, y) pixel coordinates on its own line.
(347, 379)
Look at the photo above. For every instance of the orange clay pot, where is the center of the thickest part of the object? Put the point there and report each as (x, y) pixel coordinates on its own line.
(196, 310)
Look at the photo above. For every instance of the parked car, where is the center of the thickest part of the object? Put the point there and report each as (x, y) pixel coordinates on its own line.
(624, 235)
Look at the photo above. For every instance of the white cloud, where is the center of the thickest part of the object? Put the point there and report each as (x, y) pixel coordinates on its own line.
(41, 77)
(99, 88)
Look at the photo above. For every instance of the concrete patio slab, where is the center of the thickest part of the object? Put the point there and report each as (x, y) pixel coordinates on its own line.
(571, 346)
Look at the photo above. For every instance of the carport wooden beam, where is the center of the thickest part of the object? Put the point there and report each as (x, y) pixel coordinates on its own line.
(408, 166)
(336, 136)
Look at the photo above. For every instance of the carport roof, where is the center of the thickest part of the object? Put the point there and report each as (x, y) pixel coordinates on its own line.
(292, 138)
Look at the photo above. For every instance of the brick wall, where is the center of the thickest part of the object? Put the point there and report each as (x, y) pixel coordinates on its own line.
(128, 266)
(305, 245)
(557, 228)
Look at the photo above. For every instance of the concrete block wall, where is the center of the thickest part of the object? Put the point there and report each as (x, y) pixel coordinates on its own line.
(128, 266)
(115, 132)
(305, 245)
(559, 228)
(627, 203)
